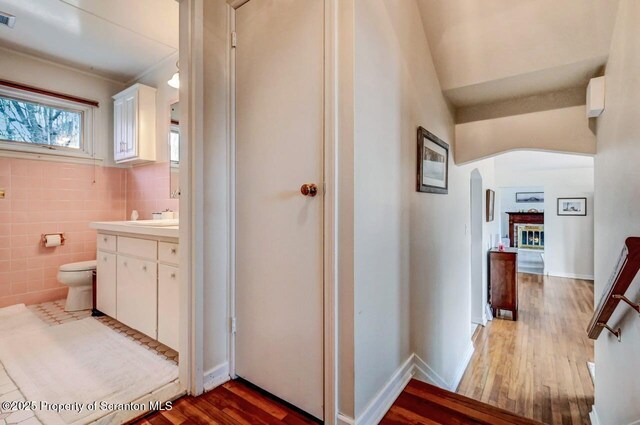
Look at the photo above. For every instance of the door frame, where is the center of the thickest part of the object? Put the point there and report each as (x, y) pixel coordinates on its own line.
(191, 317)
(330, 228)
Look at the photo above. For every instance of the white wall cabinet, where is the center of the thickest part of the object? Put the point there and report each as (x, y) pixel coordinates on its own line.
(138, 284)
(134, 129)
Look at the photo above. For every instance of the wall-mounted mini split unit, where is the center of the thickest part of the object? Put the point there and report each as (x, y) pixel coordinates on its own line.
(595, 97)
(7, 19)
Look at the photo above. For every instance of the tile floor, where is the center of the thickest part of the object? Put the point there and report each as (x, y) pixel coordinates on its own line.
(53, 314)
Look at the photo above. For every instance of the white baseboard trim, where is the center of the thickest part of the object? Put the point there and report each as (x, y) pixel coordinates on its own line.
(216, 376)
(345, 420)
(462, 367)
(571, 275)
(427, 374)
(593, 415)
(382, 402)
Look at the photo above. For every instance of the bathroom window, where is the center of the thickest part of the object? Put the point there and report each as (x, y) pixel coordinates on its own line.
(32, 122)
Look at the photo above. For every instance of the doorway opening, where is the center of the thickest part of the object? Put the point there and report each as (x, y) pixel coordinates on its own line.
(540, 284)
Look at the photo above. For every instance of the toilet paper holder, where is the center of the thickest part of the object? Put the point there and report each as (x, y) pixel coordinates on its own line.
(43, 238)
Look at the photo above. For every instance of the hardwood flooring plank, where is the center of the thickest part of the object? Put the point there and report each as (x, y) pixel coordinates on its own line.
(536, 367)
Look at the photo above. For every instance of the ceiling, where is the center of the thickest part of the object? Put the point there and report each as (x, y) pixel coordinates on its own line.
(491, 50)
(117, 39)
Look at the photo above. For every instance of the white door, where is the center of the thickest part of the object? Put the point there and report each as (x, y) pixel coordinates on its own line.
(279, 231)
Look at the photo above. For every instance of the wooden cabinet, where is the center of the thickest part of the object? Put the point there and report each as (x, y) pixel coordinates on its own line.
(106, 283)
(134, 127)
(138, 284)
(503, 280)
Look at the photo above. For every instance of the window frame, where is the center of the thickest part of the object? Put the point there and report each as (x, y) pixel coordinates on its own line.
(87, 113)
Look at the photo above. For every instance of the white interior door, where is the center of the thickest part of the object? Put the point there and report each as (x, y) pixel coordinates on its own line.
(279, 231)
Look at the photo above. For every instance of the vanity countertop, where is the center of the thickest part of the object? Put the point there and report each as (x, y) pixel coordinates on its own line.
(161, 228)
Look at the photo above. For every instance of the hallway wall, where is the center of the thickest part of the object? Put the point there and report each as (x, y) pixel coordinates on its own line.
(412, 250)
(617, 185)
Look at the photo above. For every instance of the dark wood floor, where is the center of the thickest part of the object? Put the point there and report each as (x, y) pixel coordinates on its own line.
(235, 402)
(238, 402)
(537, 367)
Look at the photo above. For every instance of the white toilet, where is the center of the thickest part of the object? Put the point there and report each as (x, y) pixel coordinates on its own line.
(79, 278)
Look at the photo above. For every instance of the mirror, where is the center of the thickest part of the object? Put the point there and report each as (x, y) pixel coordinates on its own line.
(174, 151)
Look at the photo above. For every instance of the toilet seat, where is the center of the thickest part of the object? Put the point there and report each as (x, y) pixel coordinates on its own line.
(80, 266)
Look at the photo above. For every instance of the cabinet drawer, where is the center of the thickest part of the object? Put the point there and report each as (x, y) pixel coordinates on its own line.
(138, 247)
(168, 252)
(168, 305)
(107, 242)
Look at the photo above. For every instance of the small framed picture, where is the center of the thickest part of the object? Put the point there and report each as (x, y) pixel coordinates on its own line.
(433, 163)
(491, 199)
(572, 206)
(529, 197)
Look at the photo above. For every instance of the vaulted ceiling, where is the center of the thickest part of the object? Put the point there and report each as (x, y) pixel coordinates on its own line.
(490, 50)
(118, 39)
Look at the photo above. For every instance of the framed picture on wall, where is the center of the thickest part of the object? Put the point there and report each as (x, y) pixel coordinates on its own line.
(433, 163)
(491, 199)
(572, 206)
(529, 197)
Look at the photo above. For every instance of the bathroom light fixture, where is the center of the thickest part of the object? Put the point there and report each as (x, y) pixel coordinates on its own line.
(175, 79)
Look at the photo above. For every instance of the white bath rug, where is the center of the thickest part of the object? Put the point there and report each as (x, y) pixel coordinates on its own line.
(81, 362)
(18, 319)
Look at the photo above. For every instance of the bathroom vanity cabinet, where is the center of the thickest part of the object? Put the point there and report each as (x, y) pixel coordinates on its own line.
(138, 283)
(134, 125)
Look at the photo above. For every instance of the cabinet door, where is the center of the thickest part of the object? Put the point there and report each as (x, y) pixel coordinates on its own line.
(119, 144)
(131, 124)
(137, 294)
(106, 283)
(168, 305)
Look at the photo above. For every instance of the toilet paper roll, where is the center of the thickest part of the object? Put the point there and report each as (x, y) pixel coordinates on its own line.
(52, 240)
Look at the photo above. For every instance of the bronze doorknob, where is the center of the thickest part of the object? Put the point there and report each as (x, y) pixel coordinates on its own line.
(309, 189)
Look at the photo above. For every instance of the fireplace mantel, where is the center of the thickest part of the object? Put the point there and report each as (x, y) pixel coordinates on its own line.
(522, 218)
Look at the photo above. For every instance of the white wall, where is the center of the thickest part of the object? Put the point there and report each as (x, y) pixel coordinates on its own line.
(412, 250)
(617, 185)
(568, 240)
(387, 112)
(39, 73)
(489, 239)
(559, 130)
